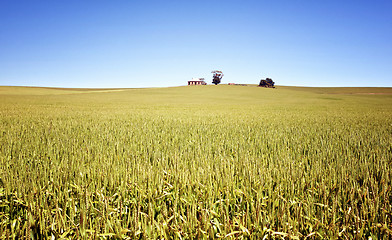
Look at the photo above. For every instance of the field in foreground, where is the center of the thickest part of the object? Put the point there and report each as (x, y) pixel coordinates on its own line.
(196, 162)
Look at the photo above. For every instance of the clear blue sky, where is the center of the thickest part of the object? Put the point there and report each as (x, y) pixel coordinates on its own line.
(166, 43)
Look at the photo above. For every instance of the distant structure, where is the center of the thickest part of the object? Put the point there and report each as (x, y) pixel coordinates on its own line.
(197, 81)
(267, 83)
(216, 77)
(231, 83)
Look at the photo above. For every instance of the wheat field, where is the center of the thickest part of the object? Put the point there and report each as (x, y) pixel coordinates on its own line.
(196, 162)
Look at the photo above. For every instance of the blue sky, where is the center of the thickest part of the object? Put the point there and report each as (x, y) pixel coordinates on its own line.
(166, 43)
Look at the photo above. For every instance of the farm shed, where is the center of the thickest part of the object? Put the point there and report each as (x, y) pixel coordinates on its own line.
(197, 81)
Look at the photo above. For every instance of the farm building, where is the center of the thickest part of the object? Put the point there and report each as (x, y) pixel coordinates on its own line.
(197, 81)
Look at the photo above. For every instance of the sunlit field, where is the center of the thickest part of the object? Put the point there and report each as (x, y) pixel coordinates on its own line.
(196, 162)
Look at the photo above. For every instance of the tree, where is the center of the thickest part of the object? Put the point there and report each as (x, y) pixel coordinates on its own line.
(268, 83)
(216, 77)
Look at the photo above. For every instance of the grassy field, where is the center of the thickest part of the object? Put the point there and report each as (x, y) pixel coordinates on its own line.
(197, 162)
